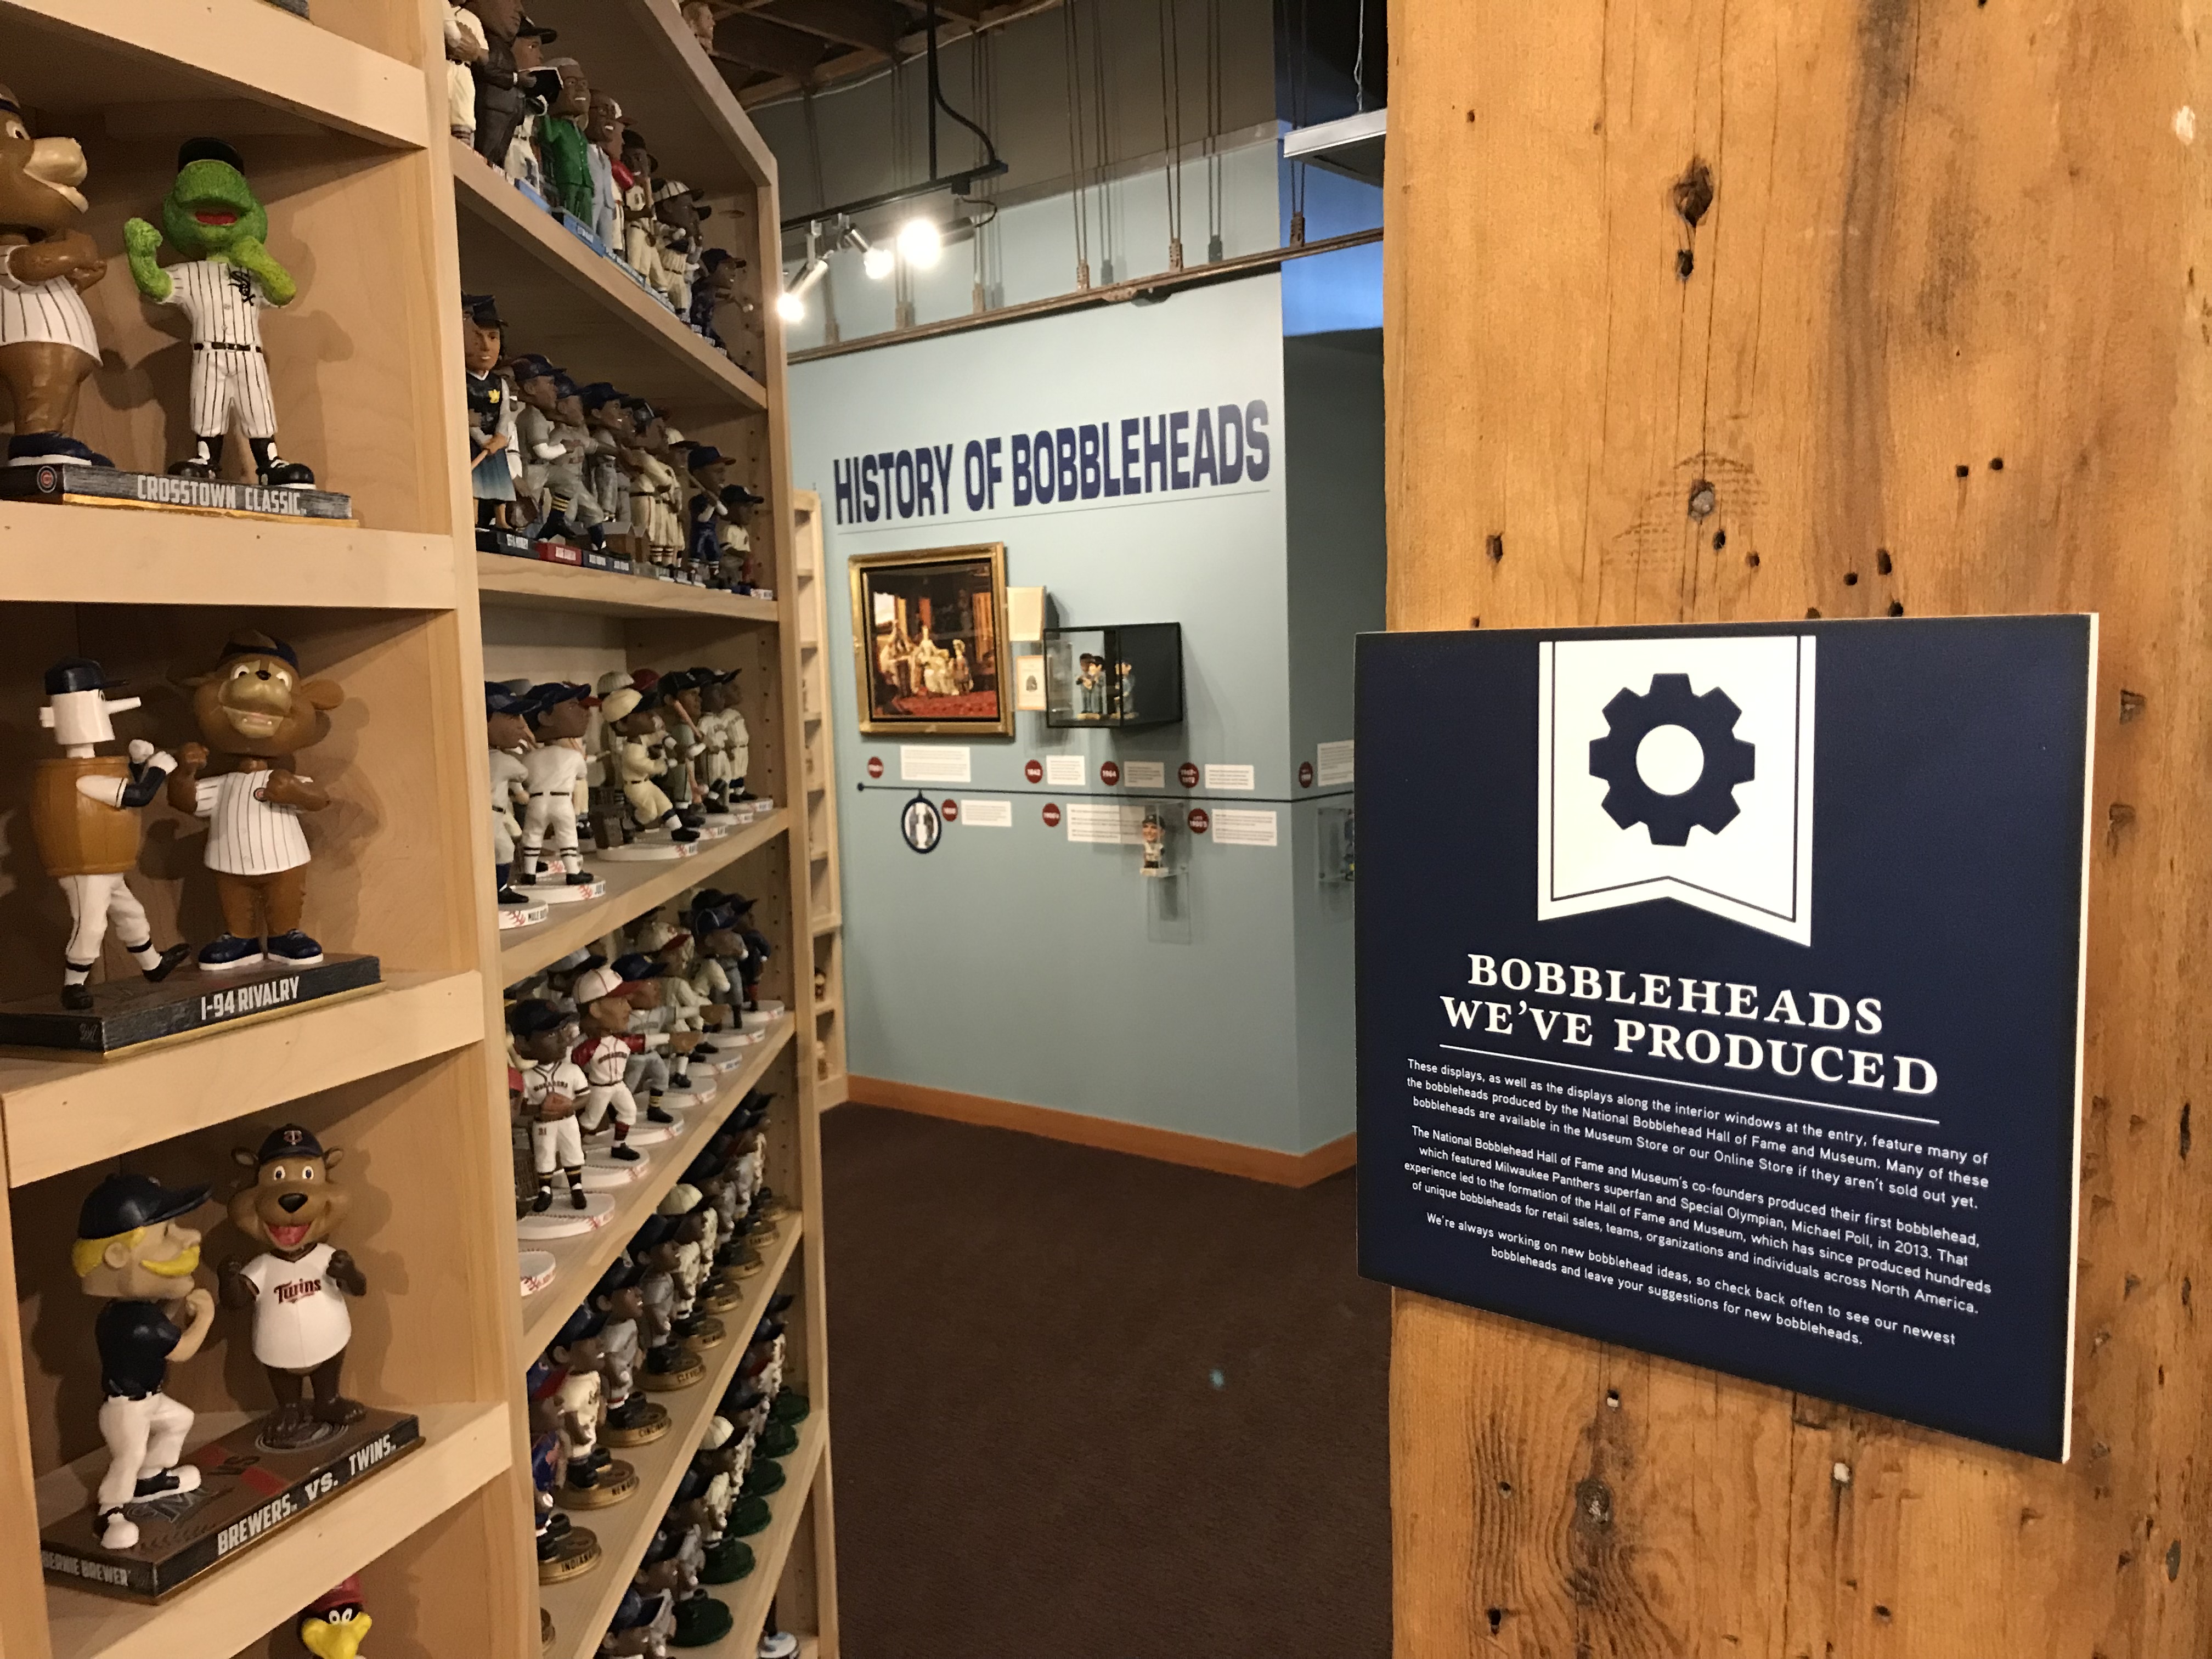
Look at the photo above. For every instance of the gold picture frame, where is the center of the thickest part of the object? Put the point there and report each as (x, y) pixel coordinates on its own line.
(930, 654)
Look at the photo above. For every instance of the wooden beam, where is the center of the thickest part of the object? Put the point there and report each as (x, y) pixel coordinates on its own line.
(869, 25)
(1928, 247)
(742, 37)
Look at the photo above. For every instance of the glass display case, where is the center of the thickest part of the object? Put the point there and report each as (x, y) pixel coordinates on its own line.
(1339, 851)
(1123, 679)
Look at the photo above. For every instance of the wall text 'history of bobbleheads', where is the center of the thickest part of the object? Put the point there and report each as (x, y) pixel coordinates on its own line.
(1212, 447)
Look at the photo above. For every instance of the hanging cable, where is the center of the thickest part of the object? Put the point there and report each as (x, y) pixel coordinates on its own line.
(1102, 153)
(1171, 126)
(1212, 131)
(829, 334)
(1299, 87)
(937, 100)
(1072, 44)
(1360, 65)
(982, 97)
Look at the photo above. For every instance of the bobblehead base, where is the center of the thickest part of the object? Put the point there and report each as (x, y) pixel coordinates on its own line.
(563, 1221)
(131, 1011)
(490, 538)
(649, 1421)
(247, 1492)
(107, 486)
(537, 1268)
(522, 915)
(544, 893)
(615, 1483)
(685, 1369)
(648, 849)
(577, 1554)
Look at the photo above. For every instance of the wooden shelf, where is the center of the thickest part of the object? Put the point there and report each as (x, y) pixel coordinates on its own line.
(582, 1608)
(67, 1113)
(632, 889)
(641, 52)
(534, 584)
(70, 554)
(559, 296)
(463, 1448)
(827, 921)
(748, 1598)
(70, 54)
(582, 1259)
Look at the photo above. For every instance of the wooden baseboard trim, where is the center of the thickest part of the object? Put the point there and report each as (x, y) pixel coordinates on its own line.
(1167, 1145)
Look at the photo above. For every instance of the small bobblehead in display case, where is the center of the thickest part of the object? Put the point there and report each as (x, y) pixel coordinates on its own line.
(1124, 678)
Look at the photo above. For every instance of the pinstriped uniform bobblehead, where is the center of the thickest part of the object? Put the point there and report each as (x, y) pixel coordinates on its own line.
(47, 345)
(228, 278)
(254, 711)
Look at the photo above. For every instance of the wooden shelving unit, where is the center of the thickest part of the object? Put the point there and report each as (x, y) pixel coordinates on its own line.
(342, 124)
(633, 889)
(462, 1449)
(580, 1258)
(809, 579)
(334, 119)
(582, 1606)
(62, 1115)
(546, 621)
(571, 295)
(196, 558)
(535, 583)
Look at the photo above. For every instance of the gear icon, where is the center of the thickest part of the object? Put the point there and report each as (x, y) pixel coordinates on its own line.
(1728, 760)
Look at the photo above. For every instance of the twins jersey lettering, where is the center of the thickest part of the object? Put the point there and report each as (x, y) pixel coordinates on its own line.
(52, 311)
(300, 1317)
(246, 835)
(230, 375)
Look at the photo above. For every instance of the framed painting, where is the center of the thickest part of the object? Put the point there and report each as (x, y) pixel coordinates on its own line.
(930, 654)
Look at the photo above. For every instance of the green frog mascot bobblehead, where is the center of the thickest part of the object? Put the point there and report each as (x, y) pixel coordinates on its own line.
(226, 279)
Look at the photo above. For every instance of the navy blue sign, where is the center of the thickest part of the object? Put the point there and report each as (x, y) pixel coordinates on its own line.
(1720, 996)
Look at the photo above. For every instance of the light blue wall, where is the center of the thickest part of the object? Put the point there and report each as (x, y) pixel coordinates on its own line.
(1011, 963)
(1333, 518)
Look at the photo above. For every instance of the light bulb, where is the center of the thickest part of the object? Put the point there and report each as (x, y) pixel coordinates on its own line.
(919, 240)
(791, 307)
(877, 263)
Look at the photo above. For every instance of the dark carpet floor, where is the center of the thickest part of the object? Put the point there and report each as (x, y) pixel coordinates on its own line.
(1091, 1407)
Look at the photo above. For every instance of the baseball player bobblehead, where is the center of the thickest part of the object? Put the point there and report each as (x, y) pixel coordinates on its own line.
(227, 279)
(84, 816)
(507, 726)
(133, 1249)
(553, 1085)
(556, 779)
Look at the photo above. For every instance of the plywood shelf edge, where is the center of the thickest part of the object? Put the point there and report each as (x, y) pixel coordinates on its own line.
(632, 889)
(464, 1446)
(60, 1115)
(250, 48)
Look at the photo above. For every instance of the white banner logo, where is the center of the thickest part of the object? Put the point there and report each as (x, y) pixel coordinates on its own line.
(1678, 767)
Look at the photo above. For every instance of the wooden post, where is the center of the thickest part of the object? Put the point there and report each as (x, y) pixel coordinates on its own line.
(1755, 309)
